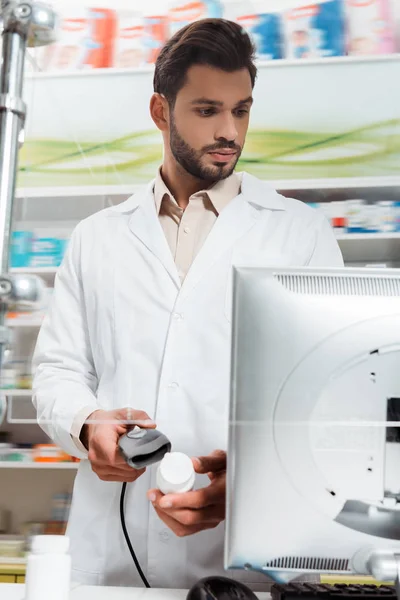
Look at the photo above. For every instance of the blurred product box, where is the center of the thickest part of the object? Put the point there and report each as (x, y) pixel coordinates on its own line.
(38, 247)
(21, 244)
(358, 216)
(262, 21)
(266, 33)
(48, 249)
(315, 30)
(86, 41)
(397, 217)
(373, 218)
(370, 27)
(154, 37)
(129, 49)
(387, 216)
(127, 37)
(50, 453)
(181, 13)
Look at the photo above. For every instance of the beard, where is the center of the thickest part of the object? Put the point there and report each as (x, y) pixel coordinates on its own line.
(190, 159)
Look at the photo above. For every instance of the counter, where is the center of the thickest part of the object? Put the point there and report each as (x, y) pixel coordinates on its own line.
(14, 591)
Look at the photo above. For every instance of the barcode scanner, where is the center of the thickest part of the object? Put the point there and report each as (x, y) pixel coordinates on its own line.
(143, 447)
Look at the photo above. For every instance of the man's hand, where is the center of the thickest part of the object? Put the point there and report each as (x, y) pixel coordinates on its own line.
(195, 511)
(101, 437)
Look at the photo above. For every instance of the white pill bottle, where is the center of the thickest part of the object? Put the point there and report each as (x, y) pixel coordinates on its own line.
(175, 474)
(48, 570)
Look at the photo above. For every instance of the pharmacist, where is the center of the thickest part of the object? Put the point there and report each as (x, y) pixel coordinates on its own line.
(141, 318)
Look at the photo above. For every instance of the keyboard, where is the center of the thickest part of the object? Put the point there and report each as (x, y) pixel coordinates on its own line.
(337, 591)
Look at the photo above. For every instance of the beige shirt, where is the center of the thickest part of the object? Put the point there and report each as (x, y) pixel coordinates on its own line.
(186, 231)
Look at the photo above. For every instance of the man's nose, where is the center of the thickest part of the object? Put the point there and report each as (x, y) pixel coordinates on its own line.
(227, 129)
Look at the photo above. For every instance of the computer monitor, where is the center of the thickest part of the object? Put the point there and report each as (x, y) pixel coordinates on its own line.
(314, 449)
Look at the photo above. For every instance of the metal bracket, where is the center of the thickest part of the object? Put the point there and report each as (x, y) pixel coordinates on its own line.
(34, 21)
(14, 105)
(6, 287)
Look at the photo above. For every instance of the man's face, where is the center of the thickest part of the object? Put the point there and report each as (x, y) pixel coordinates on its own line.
(209, 122)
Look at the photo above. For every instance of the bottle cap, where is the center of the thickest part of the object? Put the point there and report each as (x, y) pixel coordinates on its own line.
(175, 474)
(50, 544)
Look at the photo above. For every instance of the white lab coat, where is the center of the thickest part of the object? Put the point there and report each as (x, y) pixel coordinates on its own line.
(122, 330)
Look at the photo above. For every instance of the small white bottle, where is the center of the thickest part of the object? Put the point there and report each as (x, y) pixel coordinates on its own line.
(48, 571)
(175, 474)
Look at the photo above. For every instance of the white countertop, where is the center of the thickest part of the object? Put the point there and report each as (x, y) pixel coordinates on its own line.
(14, 591)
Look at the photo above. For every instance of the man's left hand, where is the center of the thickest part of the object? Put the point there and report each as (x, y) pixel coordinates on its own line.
(189, 513)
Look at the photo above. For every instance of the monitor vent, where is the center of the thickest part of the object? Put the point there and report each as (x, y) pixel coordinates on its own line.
(306, 563)
(341, 285)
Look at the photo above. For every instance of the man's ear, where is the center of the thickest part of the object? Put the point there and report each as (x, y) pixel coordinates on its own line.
(159, 110)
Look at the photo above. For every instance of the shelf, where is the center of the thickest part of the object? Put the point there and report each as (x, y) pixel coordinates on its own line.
(368, 236)
(46, 466)
(261, 64)
(295, 184)
(5, 560)
(16, 393)
(370, 247)
(35, 270)
(24, 323)
(78, 191)
(47, 274)
(337, 183)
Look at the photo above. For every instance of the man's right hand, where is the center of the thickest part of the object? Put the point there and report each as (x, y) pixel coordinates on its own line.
(100, 436)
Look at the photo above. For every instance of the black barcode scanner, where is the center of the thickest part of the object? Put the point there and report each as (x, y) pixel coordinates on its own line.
(143, 447)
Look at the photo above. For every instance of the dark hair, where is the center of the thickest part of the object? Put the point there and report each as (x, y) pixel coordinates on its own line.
(215, 42)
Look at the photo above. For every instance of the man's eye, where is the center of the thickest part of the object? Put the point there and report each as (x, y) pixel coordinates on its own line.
(242, 112)
(206, 112)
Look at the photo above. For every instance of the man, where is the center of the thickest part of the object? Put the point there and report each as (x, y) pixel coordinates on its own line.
(140, 321)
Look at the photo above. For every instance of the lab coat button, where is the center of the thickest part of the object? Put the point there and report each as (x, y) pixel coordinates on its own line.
(178, 316)
(187, 230)
(173, 385)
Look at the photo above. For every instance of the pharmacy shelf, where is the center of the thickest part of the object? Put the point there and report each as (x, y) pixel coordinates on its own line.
(72, 466)
(11, 560)
(16, 393)
(46, 273)
(101, 191)
(295, 184)
(370, 247)
(35, 270)
(18, 323)
(337, 183)
(261, 64)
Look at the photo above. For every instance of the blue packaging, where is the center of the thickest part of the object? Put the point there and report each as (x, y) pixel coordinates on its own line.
(315, 30)
(397, 212)
(268, 37)
(21, 242)
(46, 252)
(266, 32)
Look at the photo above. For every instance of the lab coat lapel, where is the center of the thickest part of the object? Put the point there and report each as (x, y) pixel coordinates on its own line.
(145, 225)
(237, 219)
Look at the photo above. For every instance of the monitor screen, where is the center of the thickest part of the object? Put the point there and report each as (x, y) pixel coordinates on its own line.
(314, 447)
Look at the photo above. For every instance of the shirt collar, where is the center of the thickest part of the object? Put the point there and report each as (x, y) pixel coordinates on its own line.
(220, 194)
